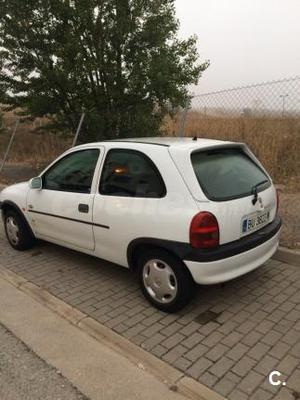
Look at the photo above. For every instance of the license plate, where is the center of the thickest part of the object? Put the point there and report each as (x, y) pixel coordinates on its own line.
(252, 222)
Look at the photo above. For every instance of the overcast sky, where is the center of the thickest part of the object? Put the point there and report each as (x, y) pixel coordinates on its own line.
(247, 41)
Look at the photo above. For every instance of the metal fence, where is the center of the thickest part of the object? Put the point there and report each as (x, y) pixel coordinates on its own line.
(274, 99)
(26, 146)
(266, 116)
(33, 143)
(22, 141)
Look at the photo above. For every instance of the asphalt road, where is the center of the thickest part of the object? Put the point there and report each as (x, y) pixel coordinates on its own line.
(24, 376)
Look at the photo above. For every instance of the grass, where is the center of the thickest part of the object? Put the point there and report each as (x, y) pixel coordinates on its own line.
(275, 141)
(29, 146)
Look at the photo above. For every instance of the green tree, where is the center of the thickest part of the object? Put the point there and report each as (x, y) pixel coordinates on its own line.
(119, 60)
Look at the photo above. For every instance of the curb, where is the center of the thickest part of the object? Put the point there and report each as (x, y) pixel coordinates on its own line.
(287, 256)
(169, 375)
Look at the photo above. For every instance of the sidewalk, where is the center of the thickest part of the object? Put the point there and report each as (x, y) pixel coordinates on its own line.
(25, 376)
(96, 370)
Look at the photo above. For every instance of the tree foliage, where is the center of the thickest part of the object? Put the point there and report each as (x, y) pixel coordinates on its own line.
(119, 60)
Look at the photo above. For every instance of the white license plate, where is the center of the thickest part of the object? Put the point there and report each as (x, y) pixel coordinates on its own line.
(252, 222)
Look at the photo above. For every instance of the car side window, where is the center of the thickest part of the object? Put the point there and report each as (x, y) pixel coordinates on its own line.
(73, 173)
(131, 173)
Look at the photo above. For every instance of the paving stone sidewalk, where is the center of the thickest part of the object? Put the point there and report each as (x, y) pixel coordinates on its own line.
(230, 338)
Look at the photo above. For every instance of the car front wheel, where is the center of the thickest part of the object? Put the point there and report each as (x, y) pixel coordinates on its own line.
(17, 232)
(164, 280)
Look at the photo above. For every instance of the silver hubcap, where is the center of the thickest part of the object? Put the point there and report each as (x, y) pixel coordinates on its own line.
(12, 230)
(160, 281)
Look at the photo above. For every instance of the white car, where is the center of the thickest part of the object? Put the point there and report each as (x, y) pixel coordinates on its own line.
(179, 211)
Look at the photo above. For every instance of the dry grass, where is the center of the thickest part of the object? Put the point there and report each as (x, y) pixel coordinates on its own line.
(275, 141)
(29, 146)
(34, 149)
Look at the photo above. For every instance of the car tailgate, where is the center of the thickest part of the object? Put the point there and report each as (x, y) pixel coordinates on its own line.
(232, 169)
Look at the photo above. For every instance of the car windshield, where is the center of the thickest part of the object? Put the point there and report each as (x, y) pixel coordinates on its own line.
(227, 173)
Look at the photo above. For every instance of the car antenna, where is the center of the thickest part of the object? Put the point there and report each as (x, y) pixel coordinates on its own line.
(195, 138)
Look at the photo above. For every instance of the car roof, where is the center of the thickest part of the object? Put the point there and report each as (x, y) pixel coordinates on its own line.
(167, 141)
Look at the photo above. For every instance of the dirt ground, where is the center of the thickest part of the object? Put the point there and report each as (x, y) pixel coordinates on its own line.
(289, 208)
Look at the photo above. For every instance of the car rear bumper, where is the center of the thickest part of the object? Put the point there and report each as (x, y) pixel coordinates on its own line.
(223, 270)
(224, 262)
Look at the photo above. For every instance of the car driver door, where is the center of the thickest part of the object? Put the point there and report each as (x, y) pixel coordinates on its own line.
(62, 210)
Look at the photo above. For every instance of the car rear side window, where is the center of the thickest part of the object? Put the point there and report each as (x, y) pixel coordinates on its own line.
(130, 173)
(227, 173)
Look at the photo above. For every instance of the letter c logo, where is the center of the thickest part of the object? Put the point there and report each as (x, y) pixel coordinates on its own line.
(271, 378)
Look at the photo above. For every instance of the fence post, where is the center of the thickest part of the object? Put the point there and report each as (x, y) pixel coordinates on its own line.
(9, 144)
(182, 122)
(78, 129)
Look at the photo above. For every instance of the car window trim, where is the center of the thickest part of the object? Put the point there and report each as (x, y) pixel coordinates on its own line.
(146, 157)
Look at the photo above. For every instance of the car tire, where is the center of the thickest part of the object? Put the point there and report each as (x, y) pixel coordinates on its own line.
(17, 231)
(165, 281)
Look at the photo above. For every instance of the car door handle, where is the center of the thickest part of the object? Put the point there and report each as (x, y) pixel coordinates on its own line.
(83, 208)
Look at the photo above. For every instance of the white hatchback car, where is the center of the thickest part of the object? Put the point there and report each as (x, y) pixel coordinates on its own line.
(179, 211)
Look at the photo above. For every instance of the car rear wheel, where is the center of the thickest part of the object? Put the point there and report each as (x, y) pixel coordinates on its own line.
(164, 280)
(17, 232)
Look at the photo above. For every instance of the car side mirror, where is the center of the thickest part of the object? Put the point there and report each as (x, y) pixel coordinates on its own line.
(36, 183)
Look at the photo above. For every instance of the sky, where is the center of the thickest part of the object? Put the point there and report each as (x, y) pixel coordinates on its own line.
(246, 41)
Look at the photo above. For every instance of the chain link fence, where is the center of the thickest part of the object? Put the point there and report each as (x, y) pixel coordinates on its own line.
(266, 116)
(276, 99)
(26, 147)
(268, 101)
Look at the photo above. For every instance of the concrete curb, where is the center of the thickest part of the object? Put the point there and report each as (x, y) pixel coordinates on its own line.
(288, 256)
(169, 375)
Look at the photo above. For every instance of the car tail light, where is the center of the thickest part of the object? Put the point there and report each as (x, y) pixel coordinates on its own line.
(277, 201)
(204, 231)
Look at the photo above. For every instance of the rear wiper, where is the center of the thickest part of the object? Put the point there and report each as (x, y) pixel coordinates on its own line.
(254, 190)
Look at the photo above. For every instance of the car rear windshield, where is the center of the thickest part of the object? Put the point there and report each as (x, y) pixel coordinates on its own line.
(227, 173)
